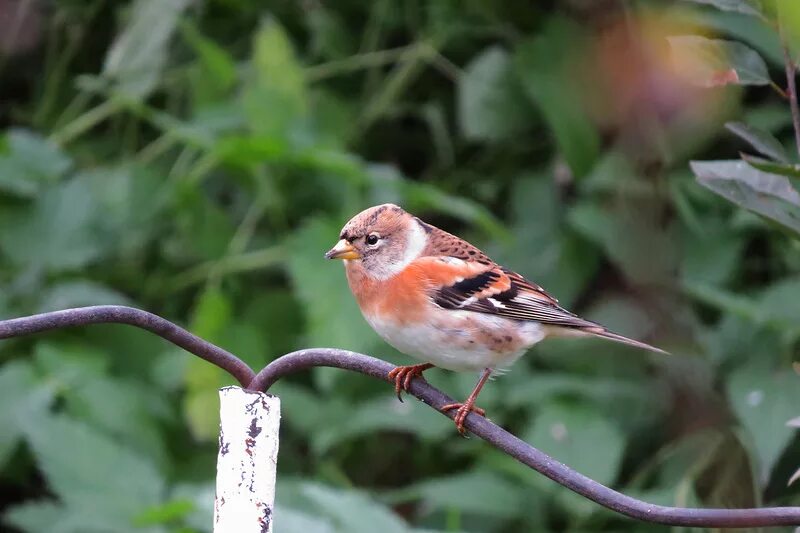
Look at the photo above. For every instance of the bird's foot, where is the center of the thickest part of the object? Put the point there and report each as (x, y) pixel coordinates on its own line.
(402, 376)
(462, 410)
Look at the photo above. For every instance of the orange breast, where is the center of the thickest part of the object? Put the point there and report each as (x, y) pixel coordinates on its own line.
(405, 297)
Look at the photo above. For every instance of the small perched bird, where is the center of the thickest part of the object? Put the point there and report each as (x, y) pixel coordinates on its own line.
(439, 299)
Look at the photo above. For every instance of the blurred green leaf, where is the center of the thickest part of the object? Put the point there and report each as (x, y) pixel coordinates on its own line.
(201, 495)
(748, 7)
(215, 73)
(275, 95)
(712, 256)
(491, 105)
(79, 293)
(70, 454)
(763, 400)
(758, 34)
(622, 235)
(30, 162)
(352, 511)
(164, 514)
(543, 65)
(38, 516)
(580, 437)
(289, 519)
(330, 36)
(475, 492)
(715, 62)
(538, 389)
(59, 232)
(761, 140)
(788, 15)
(791, 171)
(769, 195)
(75, 222)
(22, 397)
(139, 53)
(211, 316)
(385, 413)
(781, 303)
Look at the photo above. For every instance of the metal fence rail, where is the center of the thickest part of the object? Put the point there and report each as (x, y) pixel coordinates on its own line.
(482, 427)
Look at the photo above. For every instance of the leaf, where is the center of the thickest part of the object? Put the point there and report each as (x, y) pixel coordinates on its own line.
(77, 462)
(712, 256)
(79, 293)
(275, 97)
(352, 511)
(78, 221)
(748, 7)
(542, 388)
(201, 495)
(763, 141)
(791, 171)
(781, 303)
(580, 437)
(542, 65)
(491, 106)
(215, 73)
(472, 492)
(22, 397)
(130, 201)
(289, 519)
(714, 62)
(30, 162)
(36, 516)
(165, 513)
(623, 235)
(769, 195)
(381, 414)
(763, 399)
(139, 53)
(212, 314)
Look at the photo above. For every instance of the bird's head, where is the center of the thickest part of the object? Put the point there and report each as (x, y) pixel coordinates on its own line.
(382, 239)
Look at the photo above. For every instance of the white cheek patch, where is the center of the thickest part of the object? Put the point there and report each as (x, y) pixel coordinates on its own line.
(416, 240)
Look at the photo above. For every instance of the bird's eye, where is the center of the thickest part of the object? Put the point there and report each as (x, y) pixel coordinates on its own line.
(372, 239)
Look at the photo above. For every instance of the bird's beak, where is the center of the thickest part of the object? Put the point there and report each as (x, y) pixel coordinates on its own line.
(342, 250)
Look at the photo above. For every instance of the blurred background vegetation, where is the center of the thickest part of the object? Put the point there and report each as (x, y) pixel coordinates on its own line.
(196, 159)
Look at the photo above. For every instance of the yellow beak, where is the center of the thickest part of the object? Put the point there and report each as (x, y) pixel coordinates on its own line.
(342, 250)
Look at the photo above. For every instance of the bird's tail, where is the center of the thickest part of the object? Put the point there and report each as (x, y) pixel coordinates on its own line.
(610, 335)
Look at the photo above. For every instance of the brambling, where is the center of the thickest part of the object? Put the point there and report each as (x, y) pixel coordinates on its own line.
(440, 299)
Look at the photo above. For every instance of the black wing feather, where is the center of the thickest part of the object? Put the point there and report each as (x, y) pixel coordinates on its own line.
(510, 303)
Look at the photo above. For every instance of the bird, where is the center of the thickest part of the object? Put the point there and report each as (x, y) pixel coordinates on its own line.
(441, 300)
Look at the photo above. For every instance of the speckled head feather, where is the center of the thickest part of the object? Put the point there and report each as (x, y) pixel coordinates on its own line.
(386, 238)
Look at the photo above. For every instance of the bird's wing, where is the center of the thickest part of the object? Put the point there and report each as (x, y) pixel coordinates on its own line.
(488, 288)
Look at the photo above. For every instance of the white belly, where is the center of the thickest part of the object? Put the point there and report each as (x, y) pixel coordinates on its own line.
(456, 344)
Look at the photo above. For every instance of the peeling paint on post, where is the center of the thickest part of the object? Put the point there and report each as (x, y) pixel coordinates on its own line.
(247, 460)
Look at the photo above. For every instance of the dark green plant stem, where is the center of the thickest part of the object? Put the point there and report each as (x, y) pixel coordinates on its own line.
(791, 75)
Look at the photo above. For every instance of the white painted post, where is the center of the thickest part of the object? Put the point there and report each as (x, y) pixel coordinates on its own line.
(247, 460)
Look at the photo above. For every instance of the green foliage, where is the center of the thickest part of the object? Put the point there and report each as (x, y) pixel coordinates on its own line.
(196, 159)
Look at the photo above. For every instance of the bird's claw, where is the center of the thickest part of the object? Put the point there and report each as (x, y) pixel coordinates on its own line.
(402, 376)
(462, 410)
